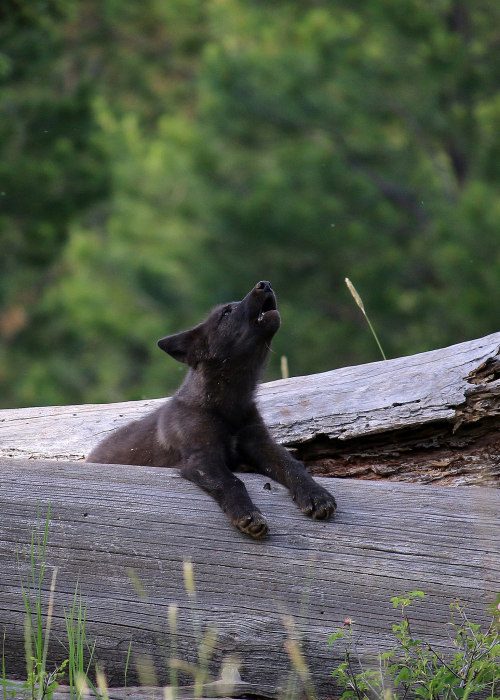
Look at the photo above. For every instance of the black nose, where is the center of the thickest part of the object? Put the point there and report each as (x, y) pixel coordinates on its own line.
(266, 286)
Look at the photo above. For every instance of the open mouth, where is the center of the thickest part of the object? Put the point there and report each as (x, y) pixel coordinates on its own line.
(269, 304)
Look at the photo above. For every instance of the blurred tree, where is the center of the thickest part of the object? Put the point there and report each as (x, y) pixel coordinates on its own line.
(81, 324)
(195, 147)
(127, 281)
(356, 139)
(51, 169)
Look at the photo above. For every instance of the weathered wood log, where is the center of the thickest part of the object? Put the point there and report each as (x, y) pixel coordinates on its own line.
(386, 539)
(431, 417)
(16, 691)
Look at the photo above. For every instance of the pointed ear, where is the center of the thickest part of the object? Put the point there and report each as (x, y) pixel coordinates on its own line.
(180, 346)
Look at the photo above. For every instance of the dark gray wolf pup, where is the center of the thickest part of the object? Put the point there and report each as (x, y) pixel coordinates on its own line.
(212, 424)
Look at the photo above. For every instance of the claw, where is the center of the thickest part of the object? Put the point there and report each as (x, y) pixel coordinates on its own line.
(315, 502)
(254, 525)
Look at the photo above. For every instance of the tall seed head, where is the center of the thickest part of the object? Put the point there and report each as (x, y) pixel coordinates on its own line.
(188, 577)
(355, 295)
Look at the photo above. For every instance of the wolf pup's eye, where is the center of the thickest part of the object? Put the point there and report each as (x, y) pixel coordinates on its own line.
(227, 311)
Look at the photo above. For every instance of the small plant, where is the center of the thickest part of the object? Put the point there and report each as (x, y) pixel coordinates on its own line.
(300, 669)
(41, 681)
(206, 640)
(78, 646)
(413, 668)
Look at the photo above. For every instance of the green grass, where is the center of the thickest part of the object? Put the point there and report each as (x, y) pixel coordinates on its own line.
(40, 683)
(79, 647)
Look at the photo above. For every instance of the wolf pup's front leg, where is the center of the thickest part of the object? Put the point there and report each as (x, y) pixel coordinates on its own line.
(258, 449)
(208, 470)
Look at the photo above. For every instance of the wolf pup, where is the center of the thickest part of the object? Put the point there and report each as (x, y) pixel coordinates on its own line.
(212, 424)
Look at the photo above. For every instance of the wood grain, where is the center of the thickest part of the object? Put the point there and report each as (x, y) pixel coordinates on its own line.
(387, 539)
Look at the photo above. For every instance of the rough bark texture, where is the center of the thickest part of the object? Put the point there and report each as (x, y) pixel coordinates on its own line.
(210, 690)
(432, 417)
(387, 538)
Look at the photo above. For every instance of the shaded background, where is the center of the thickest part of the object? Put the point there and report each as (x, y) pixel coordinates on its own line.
(157, 158)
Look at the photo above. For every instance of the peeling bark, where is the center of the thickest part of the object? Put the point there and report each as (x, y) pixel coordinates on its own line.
(463, 451)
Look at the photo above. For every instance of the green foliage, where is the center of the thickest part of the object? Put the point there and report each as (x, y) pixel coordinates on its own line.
(413, 668)
(41, 683)
(50, 167)
(161, 157)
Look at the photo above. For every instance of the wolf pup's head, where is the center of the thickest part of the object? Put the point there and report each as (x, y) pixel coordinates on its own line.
(234, 331)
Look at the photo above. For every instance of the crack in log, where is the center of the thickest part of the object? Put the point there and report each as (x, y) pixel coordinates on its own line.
(425, 455)
(463, 451)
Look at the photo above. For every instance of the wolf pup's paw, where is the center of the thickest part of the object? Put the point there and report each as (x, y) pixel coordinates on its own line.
(253, 524)
(315, 501)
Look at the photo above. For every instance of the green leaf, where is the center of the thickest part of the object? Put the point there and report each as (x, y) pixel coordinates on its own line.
(402, 676)
(336, 635)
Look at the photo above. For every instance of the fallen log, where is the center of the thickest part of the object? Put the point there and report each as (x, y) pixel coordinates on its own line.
(17, 691)
(107, 521)
(431, 417)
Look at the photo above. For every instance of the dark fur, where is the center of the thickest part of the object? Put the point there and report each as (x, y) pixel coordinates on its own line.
(212, 424)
